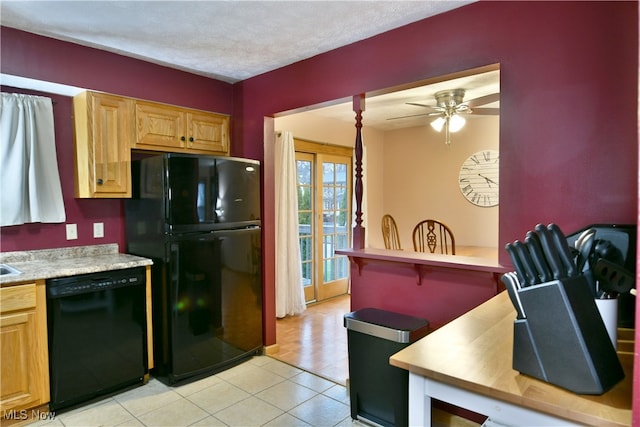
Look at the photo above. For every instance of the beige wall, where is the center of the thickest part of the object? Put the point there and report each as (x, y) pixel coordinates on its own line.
(412, 175)
(421, 181)
(318, 129)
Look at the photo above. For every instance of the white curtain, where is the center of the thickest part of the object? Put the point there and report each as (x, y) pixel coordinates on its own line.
(289, 290)
(30, 188)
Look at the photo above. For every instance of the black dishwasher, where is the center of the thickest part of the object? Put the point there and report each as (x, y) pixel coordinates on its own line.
(97, 334)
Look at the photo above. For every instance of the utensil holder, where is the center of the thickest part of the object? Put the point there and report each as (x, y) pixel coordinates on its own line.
(563, 339)
(608, 309)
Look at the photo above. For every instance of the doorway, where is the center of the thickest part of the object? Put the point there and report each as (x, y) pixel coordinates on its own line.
(389, 143)
(324, 216)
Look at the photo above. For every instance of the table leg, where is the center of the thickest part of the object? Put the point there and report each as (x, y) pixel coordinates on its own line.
(419, 402)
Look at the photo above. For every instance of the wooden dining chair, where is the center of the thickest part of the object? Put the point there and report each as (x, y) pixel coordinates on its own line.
(431, 235)
(390, 233)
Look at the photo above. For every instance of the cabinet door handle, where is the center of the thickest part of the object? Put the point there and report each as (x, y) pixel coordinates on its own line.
(190, 139)
(99, 181)
(182, 138)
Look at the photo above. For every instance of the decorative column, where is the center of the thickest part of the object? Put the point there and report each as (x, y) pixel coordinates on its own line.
(358, 230)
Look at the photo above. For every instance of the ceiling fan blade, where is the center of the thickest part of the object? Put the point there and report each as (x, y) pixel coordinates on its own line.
(486, 111)
(419, 105)
(483, 100)
(431, 107)
(413, 115)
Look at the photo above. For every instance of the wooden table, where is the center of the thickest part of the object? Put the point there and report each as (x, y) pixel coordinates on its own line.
(468, 363)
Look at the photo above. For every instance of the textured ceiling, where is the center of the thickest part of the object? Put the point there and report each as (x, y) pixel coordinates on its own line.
(391, 110)
(226, 40)
(236, 40)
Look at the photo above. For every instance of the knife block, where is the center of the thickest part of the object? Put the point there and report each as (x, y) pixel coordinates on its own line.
(563, 339)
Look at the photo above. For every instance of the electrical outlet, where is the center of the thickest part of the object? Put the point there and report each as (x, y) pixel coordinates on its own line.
(72, 231)
(98, 230)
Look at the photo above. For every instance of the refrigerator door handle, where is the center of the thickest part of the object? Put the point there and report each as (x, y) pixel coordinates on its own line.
(175, 269)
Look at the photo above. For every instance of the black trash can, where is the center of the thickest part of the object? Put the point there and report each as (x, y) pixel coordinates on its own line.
(379, 392)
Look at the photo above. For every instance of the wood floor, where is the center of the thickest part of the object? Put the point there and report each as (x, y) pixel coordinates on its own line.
(316, 340)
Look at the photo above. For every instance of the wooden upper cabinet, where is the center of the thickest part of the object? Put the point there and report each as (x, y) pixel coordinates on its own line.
(208, 132)
(161, 127)
(108, 127)
(103, 138)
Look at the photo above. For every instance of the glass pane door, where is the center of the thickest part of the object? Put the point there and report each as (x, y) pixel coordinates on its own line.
(305, 165)
(336, 173)
(324, 215)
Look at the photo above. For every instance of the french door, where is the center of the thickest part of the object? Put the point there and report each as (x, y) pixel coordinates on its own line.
(324, 215)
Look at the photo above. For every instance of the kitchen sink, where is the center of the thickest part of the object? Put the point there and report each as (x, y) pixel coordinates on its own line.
(7, 270)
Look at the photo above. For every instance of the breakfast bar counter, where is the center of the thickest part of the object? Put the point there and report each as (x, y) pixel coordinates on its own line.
(468, 363)
(466, 259)
(435, 287)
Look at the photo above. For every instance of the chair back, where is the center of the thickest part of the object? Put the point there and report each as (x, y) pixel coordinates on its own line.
(431, 235)
(390, 233)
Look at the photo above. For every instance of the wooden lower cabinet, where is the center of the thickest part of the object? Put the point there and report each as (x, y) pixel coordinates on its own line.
(24, 363)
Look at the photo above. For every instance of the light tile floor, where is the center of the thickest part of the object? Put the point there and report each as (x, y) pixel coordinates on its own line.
(260, 392)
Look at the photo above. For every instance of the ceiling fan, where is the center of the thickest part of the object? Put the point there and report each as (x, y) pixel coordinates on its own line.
(449, 108)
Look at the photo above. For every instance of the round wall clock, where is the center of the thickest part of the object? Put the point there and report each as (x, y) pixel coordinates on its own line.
(478, 178)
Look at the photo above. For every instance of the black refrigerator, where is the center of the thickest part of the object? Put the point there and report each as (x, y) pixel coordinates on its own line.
(198, 219)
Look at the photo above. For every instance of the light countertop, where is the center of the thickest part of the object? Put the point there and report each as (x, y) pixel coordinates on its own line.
(474, 353)
(63, 262)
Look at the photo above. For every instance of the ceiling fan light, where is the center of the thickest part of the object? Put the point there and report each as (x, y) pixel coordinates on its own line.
(438, 123)
(456, 122)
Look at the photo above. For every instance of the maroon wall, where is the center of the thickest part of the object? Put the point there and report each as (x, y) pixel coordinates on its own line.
(569, 90)
(568, 127)
(42, 58)
(29, 55)
(83, 212)
(442, 295)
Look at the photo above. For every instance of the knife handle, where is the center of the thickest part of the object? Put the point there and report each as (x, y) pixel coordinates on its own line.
(527, 263)
(535, 250)
(510, 281)
(550, 251)
(563, 249)
(515, 260)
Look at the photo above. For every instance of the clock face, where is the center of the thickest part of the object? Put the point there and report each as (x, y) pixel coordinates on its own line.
(478, 178)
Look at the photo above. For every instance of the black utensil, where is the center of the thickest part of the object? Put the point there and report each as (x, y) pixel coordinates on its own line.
(603, 248)
(532, 242)
(511, 283)
(550, 252)
(613, 277)
(529, 268)
(517, 264)
(563, 250)
(584, 245)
